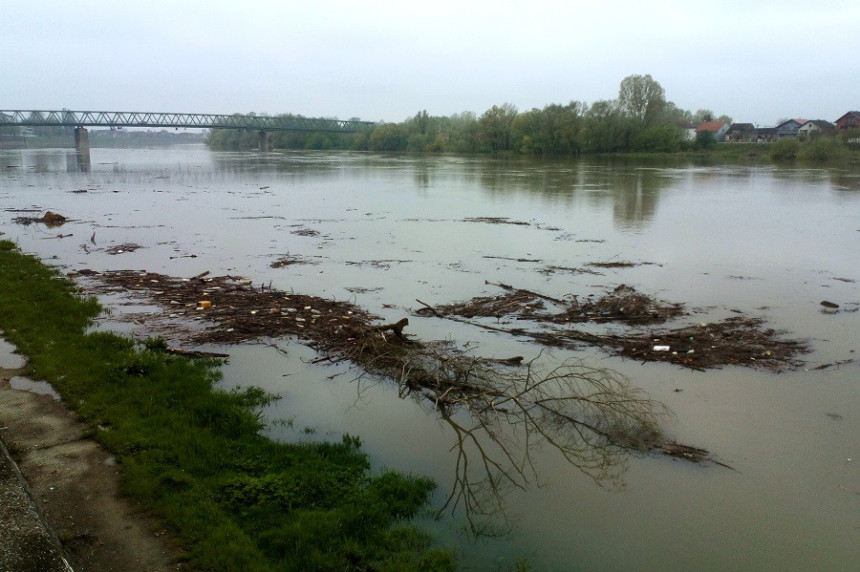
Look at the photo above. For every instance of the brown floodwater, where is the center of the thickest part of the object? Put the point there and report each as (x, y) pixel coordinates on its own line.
(385, 231)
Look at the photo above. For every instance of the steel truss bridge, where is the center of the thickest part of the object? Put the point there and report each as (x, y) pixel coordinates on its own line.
(82, 119)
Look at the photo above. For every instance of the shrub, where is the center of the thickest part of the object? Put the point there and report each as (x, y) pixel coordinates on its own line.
(705, 139)
(785, 149)
(822, 149)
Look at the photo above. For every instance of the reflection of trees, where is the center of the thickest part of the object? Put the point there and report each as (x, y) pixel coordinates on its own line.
(845, 181)
(635, 197)
(632, 189)
(500, 416)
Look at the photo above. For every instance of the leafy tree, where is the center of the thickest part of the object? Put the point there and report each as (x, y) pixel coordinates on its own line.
(664, 138)
(388, 137)
(319, 141)
(606, 128)
(705, 139)
(417, 143)
(438, 144)
(563, 125)
(420, 123)
(556, 129)
(464, 133)
(703, 115)
(526, 132)
(496, 126)
(675, 115)
(642, 99)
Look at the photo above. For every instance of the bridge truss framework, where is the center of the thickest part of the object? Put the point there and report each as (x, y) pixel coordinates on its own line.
(67, 118)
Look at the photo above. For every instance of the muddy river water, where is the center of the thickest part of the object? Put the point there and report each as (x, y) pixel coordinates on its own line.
(385, 231)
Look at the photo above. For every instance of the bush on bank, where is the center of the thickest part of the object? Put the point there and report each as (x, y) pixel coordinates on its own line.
(192, 452)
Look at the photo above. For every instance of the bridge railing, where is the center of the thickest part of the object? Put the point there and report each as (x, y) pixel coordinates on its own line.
(67, 118)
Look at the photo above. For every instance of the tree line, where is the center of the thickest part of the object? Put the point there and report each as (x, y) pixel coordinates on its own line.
(639, 119)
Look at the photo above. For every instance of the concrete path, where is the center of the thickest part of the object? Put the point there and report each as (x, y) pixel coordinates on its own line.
(60, 500)
(27, 543)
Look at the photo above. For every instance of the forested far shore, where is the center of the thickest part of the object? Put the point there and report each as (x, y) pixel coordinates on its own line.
(639, 120)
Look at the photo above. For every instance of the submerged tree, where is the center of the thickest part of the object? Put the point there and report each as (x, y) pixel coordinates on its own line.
(592, 417)
(501, 410)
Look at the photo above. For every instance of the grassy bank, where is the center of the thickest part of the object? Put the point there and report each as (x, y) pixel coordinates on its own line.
(193, 455)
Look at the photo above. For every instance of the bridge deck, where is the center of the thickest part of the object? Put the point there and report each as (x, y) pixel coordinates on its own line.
(66, 118)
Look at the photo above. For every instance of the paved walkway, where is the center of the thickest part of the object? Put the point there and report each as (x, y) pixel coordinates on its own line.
(27, 542)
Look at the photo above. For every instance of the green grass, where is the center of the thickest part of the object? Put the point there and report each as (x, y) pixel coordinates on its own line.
(193, 454)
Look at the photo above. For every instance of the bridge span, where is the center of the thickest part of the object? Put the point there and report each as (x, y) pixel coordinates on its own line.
(263, 124)
(68, 118)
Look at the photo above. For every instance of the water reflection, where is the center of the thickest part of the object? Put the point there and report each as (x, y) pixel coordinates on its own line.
(500, 416)
(845, 181)
(634, 197)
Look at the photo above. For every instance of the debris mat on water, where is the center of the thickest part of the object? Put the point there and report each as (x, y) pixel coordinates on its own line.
(737, 340)
(598, 406)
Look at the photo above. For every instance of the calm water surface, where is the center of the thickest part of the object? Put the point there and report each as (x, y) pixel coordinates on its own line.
(385, 231)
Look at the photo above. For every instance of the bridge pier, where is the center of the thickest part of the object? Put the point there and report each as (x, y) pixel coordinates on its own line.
(82, 148)
(265, 141)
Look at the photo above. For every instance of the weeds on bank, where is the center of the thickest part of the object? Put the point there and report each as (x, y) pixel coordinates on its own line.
(193, 453)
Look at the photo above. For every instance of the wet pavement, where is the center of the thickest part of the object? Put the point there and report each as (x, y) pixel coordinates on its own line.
(27, 542)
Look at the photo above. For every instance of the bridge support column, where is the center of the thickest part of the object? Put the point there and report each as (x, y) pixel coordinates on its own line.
(82, 148)
(265, 141)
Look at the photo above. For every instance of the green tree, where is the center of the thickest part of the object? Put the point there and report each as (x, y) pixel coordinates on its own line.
(420, 123)
(556, 129)
(496, 126)
(605, 128)
(417, 143)
(464, 133)
(675, 115)
(319, 141)
(563, 125)
(705, 139)
(388, 137)
(703, 115)
(642, 99)
(663, 138)
(526, 132)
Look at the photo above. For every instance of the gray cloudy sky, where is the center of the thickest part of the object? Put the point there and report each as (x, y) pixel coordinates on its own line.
(755, 60)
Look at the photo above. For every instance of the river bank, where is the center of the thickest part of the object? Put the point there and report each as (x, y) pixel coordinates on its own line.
(191, 453)
(62, 509)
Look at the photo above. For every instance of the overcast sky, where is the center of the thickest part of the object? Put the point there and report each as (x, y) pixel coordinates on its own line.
(755, 60)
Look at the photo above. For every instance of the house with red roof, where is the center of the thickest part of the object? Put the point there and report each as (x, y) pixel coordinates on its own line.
(718, 128)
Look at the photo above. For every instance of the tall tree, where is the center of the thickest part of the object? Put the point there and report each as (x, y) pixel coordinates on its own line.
(642, 99)
(496, 126)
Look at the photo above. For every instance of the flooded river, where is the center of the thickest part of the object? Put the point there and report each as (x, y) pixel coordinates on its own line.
(387, 231)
